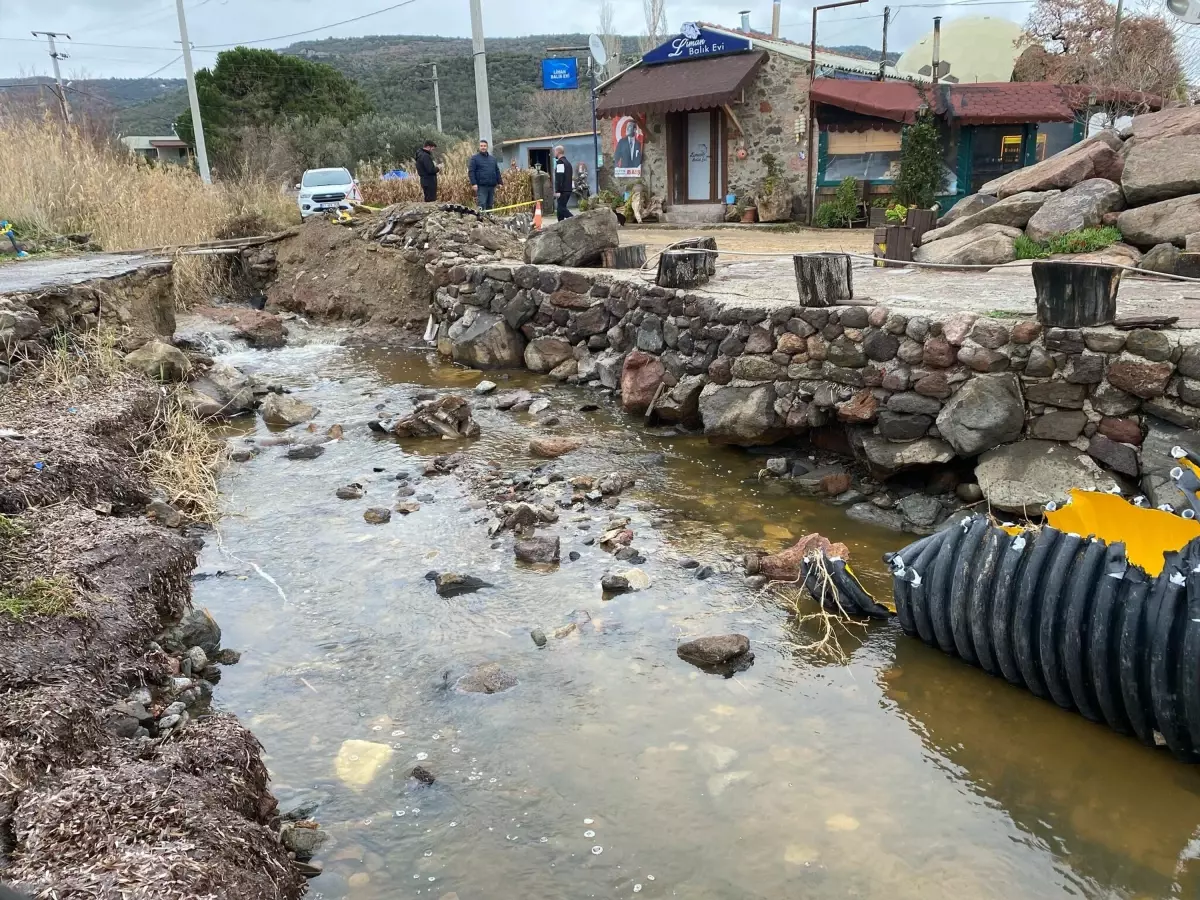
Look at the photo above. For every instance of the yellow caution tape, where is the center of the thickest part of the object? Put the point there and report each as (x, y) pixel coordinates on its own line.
(512, 206)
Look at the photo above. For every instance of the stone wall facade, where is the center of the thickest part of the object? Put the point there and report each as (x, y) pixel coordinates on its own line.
(774, 101)
(909, 390)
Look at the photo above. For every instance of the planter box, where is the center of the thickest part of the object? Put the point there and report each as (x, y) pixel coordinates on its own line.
(878, 217)
(921, 220)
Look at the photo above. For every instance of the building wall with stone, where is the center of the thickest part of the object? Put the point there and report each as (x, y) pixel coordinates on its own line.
(908, 390)
(774, 101)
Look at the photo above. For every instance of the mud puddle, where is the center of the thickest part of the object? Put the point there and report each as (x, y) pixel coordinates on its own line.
(614, 768)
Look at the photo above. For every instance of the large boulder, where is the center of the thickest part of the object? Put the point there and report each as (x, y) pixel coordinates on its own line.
(987, 245)
(885, 458)
(1166, 123)
(1014, 211)
(681, 404)
(483, 340)
(740, 412)
(1025, 476)
(967, 206)
(222, 392)
(1097, 157)
(1161, 258)
(1157, 461)
(641, 375)
(1082, 206)
(986, 412)
(545, 353)
(1118, 254)
(1162, 168)
(1165, 222)
(577, 241)
(283, 409)
(159, 361)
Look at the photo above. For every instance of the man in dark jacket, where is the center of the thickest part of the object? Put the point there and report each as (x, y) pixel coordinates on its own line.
(564, 181)
(427, 169)
(484, 174)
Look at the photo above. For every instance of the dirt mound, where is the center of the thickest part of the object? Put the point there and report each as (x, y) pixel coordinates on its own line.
(78, 443)
(380, 268)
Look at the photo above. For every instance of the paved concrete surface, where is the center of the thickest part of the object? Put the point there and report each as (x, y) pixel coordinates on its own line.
(745, 280)
(40, 273)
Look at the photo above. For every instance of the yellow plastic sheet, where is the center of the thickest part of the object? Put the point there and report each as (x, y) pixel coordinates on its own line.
(1146, 533)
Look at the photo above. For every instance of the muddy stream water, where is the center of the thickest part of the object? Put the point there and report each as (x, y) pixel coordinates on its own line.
(614, 768)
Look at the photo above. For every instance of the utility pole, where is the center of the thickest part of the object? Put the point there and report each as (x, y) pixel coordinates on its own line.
(193, 97)
(437, 100)
(483, 105)
(56, 56)
(812, 119)
(887, 12)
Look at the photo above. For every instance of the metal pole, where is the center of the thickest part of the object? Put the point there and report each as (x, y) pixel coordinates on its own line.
(594, 168)
(812, 121)
(437, 100)
(193, 97)
(1117, 25)
(775, 18)
(937, 47)
(55, 56)
(887, 11)
(483, 105)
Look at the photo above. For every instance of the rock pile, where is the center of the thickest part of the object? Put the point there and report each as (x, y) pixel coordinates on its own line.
(1145, 181)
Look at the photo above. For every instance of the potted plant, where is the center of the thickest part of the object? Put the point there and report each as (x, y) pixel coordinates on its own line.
(749, 215)
(775, 194)
(894, 240)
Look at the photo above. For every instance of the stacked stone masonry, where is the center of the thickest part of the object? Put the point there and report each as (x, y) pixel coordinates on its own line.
(909, 389)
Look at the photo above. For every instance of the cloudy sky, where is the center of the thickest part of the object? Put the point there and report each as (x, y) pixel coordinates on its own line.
(135, 38)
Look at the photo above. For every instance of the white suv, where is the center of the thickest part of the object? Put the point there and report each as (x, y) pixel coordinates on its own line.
(322, 189)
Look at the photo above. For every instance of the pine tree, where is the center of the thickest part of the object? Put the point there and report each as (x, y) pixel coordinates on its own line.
(921, 174)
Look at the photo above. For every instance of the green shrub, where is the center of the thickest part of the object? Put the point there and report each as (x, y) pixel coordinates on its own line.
(841, 210)
(922, 176)
(897, 213)
(1028, 248)
(1082, 240)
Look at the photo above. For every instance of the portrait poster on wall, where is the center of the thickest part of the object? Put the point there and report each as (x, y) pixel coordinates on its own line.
(627, 147)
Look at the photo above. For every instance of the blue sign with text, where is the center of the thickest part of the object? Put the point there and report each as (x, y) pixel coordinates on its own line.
(560, 74)
(694, 42)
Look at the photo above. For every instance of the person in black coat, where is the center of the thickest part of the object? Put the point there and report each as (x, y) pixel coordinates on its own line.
(427, 170)
(564, 181)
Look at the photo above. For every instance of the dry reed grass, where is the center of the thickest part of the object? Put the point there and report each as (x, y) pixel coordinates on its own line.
(183, 459)
(453, 185)
(63, 181)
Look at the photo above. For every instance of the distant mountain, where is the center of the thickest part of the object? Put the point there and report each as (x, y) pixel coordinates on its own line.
(133, 105)
(396, 71)
(863, 51)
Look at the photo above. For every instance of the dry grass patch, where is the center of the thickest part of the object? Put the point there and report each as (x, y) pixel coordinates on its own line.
(183, 459)
(54, 596)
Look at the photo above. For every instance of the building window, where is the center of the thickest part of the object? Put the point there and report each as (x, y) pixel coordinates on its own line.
(872, 155)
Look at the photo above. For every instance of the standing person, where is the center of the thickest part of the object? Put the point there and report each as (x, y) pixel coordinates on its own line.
(564, 181)
(427, 169)
(484, 174)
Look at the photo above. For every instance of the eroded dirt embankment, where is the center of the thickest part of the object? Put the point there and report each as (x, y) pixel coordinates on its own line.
(116, 779)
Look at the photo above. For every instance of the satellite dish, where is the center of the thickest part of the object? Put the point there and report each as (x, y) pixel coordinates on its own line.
(1186, 10)
(599, 54)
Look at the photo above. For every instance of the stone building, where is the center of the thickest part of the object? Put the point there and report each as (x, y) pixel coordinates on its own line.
(716, 117)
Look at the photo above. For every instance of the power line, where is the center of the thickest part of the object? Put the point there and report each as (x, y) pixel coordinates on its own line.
(282, 37)
(167, 66)
(88, 44)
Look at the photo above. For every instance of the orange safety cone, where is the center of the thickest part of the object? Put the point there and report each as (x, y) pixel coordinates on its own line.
(537, 216)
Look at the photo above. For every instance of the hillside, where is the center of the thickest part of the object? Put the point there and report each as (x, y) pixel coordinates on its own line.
(395, 70)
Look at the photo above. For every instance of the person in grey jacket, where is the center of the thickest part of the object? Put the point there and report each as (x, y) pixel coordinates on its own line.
(484, 174)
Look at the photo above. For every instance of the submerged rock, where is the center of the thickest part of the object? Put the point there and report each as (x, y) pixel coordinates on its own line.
(488, 678)
(197, 628)
(377, 515)
(452, 584)
(302, 838)
(422, 775)
(448, 417)
(358, 762)
(552, 447)
(614, 584)
(305, 451)
(723, 654)
(352, 491)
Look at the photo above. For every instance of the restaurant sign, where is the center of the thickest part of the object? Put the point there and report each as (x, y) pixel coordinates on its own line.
(694, 42)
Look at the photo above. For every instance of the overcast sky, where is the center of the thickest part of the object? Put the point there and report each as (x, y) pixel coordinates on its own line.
(143, 34)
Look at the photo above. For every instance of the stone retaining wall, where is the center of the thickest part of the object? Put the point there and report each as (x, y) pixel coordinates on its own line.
(910, 389)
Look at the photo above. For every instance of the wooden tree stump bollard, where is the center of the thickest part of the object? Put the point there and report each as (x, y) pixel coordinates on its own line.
(682, 268)
(1074, 294)
(627, 256)
(823, 279)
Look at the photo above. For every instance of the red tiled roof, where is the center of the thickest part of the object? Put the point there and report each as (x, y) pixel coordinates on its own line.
(988, 103)
(1004, 103)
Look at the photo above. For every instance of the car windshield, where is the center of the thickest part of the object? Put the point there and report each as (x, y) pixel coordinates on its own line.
(326, 177)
